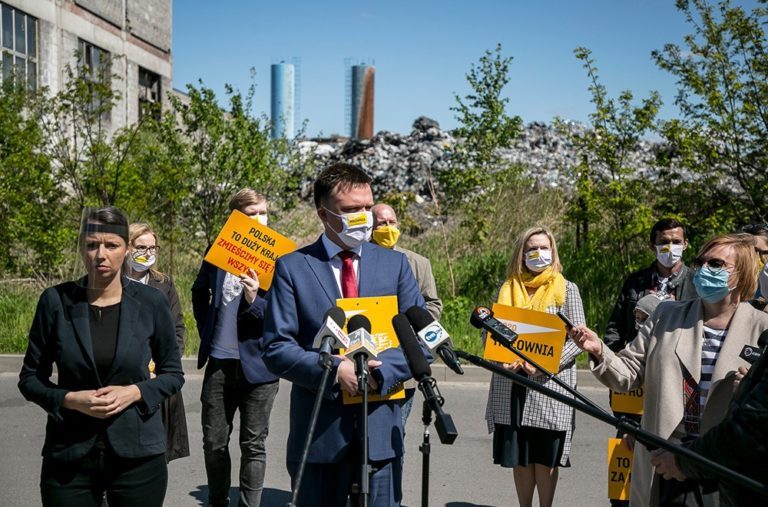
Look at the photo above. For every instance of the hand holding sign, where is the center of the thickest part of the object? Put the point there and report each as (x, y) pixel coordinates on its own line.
(250, 282)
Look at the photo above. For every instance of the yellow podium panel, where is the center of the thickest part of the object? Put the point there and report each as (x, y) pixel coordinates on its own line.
(379, 310)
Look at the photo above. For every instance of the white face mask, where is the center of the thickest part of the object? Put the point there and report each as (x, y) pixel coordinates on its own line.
(262, 219)
(141, 263)
(538, 260)
(763, 281)
(668, 255)
(356, 228)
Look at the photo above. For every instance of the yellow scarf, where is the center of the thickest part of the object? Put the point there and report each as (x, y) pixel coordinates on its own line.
(549, 285)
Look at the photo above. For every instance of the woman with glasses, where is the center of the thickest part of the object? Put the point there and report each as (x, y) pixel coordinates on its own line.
(686, 356)
(141, 261)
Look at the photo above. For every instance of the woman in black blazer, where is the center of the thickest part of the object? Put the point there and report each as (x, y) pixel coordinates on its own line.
(140, 266)
(104, 433)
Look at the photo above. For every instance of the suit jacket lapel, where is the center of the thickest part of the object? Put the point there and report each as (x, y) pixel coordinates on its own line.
(317, 259)
(728, 359)
(78, 309)
(367, 269)
(690, 338)
(129, 309)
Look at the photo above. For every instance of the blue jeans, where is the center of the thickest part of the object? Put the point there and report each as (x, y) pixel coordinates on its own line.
(226, 390)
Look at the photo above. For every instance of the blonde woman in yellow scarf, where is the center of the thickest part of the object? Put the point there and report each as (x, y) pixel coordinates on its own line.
(531, 432)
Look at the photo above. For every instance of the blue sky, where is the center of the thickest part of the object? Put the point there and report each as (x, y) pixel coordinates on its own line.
(422, 50)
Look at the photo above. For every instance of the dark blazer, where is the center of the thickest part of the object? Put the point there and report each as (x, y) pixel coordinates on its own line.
(60, 335)
(303, 289)
(174, 415)
(621, 326)
(206, 298)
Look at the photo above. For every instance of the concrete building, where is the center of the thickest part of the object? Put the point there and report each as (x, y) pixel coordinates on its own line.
(40, 37)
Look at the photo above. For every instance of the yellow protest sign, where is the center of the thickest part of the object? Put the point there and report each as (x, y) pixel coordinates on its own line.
(628, 403)
(244, 243)
(379, 310)
(619, 469)
(541, 337)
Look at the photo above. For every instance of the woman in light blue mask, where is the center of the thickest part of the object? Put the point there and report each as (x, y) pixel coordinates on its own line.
(688, 354)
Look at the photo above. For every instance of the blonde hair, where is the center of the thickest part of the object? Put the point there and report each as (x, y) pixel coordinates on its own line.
(746, 261)
(244, 198)
(136, 230)
(516, 266)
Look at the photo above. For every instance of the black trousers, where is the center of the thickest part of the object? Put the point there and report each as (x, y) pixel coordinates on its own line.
(126, 482)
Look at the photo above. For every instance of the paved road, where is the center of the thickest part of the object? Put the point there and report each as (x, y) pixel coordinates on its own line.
(462, 474)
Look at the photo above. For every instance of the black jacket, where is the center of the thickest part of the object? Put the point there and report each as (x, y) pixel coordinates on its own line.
(60, 335)
(740, 441)
(621, 327)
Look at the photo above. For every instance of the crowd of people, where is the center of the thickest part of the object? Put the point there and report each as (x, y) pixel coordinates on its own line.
(116, 413)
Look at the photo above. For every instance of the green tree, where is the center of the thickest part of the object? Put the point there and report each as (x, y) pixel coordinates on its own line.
(485, 127)
(31, 235)
(719, 146)
(611, 201)
(227, 150)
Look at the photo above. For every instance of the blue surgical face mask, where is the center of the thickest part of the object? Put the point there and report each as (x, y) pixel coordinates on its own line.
(711, 285)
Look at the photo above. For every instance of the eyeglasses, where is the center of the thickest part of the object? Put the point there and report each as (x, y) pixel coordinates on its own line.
(152, 250)
(716, 265)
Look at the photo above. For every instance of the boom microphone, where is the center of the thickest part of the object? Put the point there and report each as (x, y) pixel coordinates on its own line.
(421, 371)
(482, 318)
(434, 336)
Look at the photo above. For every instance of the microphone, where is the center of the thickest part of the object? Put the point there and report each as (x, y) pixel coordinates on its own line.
(422, 373)
(434, 336)
(482, 318)
(360, 340)
(330, 335)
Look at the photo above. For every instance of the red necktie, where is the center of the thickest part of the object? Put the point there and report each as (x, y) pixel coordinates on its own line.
(348, 279)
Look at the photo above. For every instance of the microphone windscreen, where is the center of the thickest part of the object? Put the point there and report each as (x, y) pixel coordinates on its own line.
(479, 315)
(411, 348)
(337, 315)
(358, 322)
(419, 318)
(762, 341)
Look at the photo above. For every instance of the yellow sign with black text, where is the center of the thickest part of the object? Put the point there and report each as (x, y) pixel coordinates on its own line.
(619, 469)
(244, 243)
(541, 337)
(378, 310)
(628, 403)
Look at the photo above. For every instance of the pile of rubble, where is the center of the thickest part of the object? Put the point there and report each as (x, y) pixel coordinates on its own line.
(399, 163)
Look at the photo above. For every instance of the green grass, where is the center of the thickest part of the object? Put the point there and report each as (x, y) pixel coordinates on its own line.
(17, 307)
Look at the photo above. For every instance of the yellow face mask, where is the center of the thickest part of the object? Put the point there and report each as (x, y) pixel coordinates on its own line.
(386, 236)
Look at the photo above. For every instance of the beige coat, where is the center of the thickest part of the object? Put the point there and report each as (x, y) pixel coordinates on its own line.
(670, 340)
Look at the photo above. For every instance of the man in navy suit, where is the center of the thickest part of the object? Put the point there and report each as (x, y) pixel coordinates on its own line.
(229, 311)
(306, 284)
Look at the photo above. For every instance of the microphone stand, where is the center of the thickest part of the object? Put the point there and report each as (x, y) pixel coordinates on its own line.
(365, 468)
(425, 448)
(550, 376)
(648, 439)
(325, 361)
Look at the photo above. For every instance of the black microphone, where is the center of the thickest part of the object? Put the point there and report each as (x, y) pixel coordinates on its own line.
(434, 336)
(422, 373)
(330, 335)
(482, 318)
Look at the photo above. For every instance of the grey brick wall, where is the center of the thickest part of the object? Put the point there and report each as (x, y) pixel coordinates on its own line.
(150, 20)
(111, 10)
